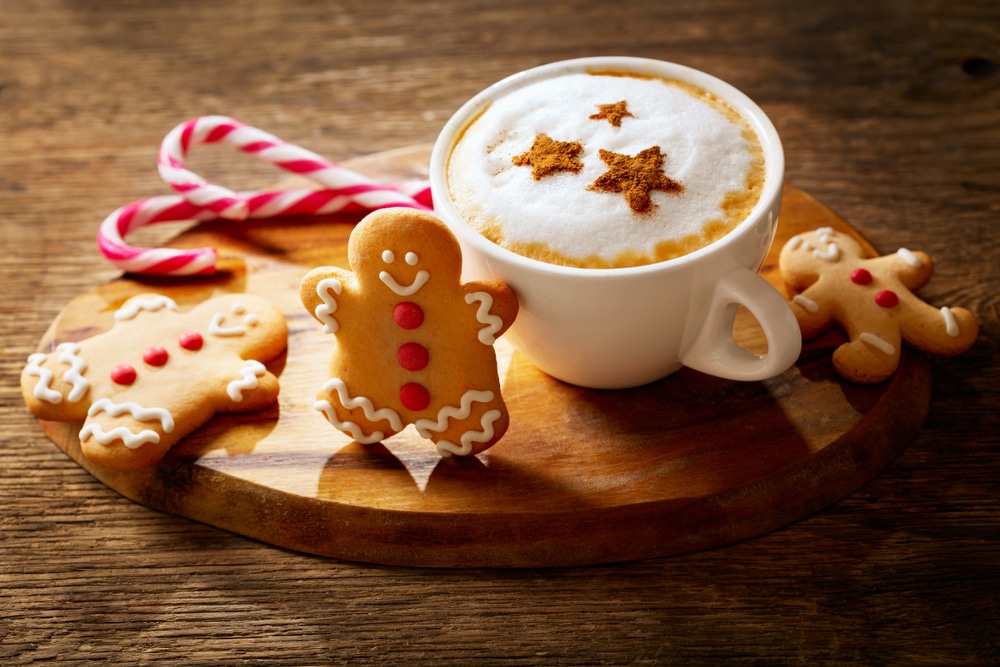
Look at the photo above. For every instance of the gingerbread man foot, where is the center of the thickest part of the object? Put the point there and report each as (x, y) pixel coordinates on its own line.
(414, 344)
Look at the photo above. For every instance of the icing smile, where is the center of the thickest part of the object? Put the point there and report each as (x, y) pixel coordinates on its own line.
(390, 281)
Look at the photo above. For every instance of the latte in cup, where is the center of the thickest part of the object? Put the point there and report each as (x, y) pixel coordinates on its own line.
(606, 169)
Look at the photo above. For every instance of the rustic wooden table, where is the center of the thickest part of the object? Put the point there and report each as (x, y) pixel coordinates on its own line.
(889, 115)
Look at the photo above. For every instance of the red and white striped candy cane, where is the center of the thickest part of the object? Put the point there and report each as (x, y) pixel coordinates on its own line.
(342, 190)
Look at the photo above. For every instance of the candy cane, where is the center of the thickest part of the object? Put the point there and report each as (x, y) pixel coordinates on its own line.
(342, 190)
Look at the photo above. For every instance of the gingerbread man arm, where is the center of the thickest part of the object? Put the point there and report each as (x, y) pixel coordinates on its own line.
(323, 292)
(913, 269)
(495, 307)
(814, 313)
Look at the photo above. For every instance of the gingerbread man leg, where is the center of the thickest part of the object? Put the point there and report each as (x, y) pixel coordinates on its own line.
(869, 357)
(470, 427)
(356, 416)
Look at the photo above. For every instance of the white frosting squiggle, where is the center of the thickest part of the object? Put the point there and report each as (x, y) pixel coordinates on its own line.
(487, 335)
(67, 355)
(877, 342)
(252, 369)
(950, 323)
(128, 438)
(446, 448)
(325, 311)
(132, 307)
(806, 303)
(908, 257)
(42, 391)
(349, 402)
(426, 427)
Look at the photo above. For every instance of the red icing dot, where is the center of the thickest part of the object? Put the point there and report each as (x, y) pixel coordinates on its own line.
(191, 340)
(123, 374)
(408, 315)
(155, 356)
(414, 396)
(887, 299)
(412, 356)
(861, 277)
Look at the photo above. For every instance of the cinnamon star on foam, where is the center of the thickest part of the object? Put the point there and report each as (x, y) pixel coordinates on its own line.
(635, 177)
(547, 156)
(613, 113)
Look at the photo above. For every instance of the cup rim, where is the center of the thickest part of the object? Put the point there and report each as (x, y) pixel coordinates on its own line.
(452, 130)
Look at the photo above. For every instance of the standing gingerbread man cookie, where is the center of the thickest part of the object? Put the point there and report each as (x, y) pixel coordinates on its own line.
(872, 300)
(414, 344)
(158, 374)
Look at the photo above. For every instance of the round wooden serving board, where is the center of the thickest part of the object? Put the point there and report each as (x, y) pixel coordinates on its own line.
(582, 476)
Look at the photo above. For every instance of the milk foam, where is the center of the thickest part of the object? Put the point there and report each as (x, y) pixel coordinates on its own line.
(710, 150)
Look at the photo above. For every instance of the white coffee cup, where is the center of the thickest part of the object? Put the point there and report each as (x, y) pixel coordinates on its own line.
(625, 327)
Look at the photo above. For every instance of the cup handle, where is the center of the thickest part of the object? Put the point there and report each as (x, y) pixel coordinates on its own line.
(715, 352)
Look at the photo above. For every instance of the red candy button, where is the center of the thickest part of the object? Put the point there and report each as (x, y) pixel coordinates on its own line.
(123, 374)
(413, 396)
(861, 277)
(191, 340)
(412, 356)
(408, 315)
(887, 299)
(155, 356)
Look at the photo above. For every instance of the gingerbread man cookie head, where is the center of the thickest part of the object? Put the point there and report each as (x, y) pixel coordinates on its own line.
(872, 299)
(414, 344)
(392, 250)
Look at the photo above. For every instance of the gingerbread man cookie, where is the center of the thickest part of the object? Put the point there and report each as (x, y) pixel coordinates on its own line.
(158, 374)
(872, 300)
(414, 344)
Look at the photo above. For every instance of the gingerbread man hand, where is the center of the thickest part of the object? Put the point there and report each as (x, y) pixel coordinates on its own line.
(157, 375)
(872, 300)
(414, 344)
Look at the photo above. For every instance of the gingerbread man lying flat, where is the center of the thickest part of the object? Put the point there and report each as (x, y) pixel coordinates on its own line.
(157, 375)
(872, 300)
(414, 344)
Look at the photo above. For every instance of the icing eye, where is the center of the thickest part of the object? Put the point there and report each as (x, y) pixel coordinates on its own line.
(238, 308)
(411, 258)
(388, 256)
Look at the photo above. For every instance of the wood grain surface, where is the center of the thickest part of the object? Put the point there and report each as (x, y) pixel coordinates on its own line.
(888, 114)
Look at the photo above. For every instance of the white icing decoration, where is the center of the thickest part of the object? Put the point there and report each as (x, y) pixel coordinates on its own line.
(215, 327)
(412, 258)
(950, 324)
(908, 257)
(132, 307)
(42, 390)
(404, 290)
(388, 256)
(250, 320)
(325, 311)
(128, 438)
(487, 335)
(446, 448)
(67, 355)
(806, 303)
(237, 308)
(425, 427)
(831, 254)
(371, 414)
(252, 369)
(794, 242)
(877, 342)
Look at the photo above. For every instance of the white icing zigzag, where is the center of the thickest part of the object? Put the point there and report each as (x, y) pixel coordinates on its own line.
(252, 369)
(487, 335)
(132, 307)
(67, 355)
(128, 438)
(373, 415)
(325, 311)
(42, 390)
(427, 427)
